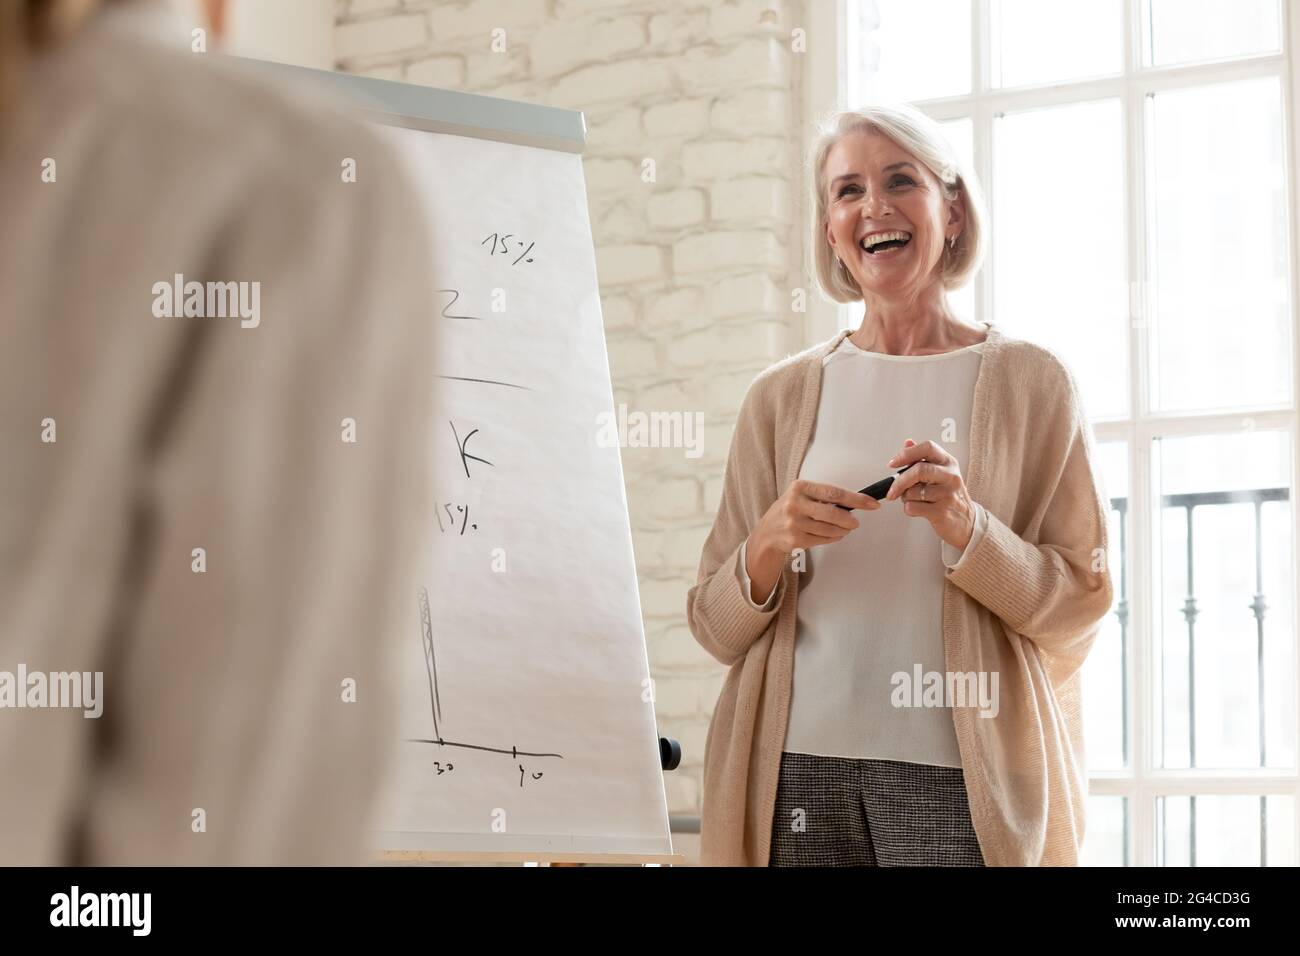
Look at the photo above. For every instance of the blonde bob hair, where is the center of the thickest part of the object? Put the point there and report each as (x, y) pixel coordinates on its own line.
(921, 136)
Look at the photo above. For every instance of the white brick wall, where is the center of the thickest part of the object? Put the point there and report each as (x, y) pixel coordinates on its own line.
(696, 268)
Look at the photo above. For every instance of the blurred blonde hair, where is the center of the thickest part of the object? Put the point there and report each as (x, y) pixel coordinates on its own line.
(28, 26)
(921, 136)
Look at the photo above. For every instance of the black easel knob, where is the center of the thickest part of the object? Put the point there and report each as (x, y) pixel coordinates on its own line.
(670, 753)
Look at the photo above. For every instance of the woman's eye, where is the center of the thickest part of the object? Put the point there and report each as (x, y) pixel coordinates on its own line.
(896, 181)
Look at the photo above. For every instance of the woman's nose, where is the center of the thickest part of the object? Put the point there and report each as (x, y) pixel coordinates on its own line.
(873, 205)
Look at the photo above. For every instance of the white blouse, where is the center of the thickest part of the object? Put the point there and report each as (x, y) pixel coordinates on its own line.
(869, 625)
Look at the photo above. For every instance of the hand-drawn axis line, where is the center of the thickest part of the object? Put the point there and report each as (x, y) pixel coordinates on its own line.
(486, 381)
(430, 665)
(426, 628)
(513, 751)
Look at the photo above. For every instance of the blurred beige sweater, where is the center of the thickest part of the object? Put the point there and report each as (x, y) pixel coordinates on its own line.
(1025, 601)
(223, 691)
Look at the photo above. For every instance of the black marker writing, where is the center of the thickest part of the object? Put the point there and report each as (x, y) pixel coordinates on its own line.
(536, 776)
(451, 517)
(497, 239)
(466, 457)
(485, 381)
(454, 296)
(435, 701)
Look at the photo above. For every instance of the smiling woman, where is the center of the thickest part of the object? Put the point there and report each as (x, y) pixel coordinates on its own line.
(898, 165)
(811, 757)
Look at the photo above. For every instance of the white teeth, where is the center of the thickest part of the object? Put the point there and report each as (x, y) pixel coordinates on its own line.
(868, 242)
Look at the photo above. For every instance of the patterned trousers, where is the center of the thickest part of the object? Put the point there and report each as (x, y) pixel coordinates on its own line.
(842, 811)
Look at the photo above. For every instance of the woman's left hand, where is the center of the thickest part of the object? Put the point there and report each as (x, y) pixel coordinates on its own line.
(933, 489)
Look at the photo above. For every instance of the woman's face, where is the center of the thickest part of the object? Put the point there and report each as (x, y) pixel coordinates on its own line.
(868, 192)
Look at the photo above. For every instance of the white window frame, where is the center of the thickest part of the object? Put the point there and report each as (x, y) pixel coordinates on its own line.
(826, 88)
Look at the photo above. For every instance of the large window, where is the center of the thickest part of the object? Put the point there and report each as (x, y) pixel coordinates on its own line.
(1138, 158)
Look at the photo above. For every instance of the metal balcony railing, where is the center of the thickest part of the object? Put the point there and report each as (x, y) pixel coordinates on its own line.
(1258, 606)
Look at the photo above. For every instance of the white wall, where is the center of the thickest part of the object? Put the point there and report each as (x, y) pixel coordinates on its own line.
(287, 31)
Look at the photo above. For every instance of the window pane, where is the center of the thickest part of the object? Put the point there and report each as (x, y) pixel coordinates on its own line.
(1045, 41)
(1180, 31)
(1105, 697)
(1216, 830)
(920, 49)
(1104, 838)
(1225, 673)
(1222, 325)
(960, 133)
(1059, 241)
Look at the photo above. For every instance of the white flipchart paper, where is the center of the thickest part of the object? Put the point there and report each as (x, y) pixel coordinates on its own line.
(530, 667)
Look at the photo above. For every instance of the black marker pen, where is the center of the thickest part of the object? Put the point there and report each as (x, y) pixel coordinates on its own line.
(878, 489)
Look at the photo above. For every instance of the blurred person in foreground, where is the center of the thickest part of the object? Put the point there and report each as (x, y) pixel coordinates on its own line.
(215, 508)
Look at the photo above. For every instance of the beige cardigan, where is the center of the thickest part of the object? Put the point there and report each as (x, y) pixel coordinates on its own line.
(1026, 602)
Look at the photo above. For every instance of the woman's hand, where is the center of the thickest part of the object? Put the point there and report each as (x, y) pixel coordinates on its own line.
(933, 489)
(804, 517)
